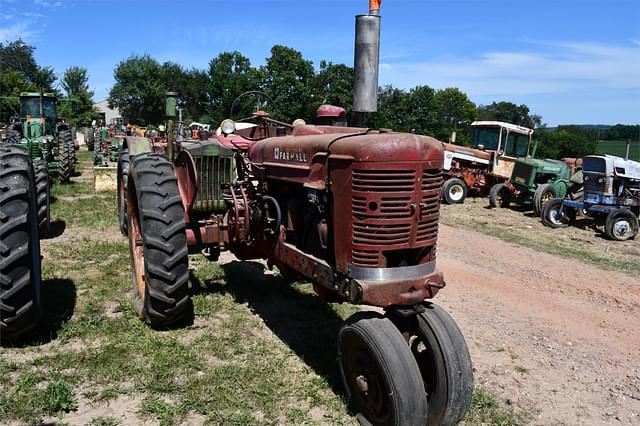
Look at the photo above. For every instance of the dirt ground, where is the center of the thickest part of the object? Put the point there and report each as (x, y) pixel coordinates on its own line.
(551, 336)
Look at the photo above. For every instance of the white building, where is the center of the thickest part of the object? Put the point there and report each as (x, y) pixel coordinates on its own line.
(103, 106)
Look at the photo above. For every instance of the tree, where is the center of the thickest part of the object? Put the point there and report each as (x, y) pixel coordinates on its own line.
(287, 78)
(18, 56)
(392, 110)
(454, 111)
(79, 110)
(140, 90)
(333, 85)
(506, 111)
(230, 75)
(566, 141)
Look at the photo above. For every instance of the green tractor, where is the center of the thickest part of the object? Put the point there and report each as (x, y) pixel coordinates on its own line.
(538, 181)
(44, 134)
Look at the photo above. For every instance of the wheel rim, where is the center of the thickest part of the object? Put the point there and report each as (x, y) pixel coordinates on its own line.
(366, 381)
(456, 192)
(556, 217)
(137, 257)
(546, 197)
(622, 229)
(500, 198)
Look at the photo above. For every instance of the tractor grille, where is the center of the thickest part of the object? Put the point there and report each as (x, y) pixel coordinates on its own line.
(393, 210)
(521, 173)
(213, 171)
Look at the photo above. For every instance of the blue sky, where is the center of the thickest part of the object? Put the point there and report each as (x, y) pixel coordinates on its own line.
(571, 61)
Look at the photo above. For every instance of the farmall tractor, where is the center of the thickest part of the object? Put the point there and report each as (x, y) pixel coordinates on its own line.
(352, 210)
(19, 243)
(496, 146)
(611, 197)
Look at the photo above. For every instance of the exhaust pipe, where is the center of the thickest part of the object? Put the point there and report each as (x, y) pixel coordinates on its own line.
(366, 62)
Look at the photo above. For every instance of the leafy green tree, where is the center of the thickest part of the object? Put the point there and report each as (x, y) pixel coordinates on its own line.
(18, 56)
(287, 78)
(333, 85)
(506, 111)
(392, 110)
(454, 111)
(621, 132)
(140, 90)
(566, 141)
(78, 110)
(230, 75)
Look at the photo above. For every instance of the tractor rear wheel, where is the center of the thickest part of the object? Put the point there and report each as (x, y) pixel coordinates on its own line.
(553, 218)
(381, 377)
(88, 138)
(43, 195)
(65, 156)
(499, 196)
(442, 355)
(123, 180)
(621, 225)
(544, 193)
(157, 242)
(19, 245)
(454, 191)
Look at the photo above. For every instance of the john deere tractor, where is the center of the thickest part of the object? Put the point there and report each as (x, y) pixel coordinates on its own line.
(45, 135)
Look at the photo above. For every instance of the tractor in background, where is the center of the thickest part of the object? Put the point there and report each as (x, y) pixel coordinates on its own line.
(611, 197)
(496, 146)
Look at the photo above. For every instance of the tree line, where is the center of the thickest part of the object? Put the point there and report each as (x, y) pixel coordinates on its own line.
(19, 72)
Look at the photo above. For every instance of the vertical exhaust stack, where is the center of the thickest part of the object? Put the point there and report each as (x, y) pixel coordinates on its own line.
(366, 62)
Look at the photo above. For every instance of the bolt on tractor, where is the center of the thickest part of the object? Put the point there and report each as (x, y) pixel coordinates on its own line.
(496, 146)
(19, 243)
(538, 181)
(45, 135)
(611, 197)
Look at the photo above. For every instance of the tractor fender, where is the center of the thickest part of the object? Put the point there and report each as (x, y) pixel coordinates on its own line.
(137, 145)
(562, 187)
(185, 169)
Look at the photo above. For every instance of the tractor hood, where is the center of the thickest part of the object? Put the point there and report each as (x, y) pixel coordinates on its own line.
(353, 144)
(467, 151)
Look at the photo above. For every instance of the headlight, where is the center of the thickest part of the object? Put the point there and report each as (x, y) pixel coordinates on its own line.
(228, 127)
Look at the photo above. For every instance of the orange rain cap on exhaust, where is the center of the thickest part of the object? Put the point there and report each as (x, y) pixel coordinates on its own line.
(374, 4)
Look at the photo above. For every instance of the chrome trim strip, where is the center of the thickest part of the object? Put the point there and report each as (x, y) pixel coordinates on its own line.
(392, 274)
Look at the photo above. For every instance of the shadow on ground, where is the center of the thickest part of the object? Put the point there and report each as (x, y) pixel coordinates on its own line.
(304, 322)
(56, 228)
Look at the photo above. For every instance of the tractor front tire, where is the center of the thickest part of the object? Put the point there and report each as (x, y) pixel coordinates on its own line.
(621, 225)
(123, 180)
(380, 375)
(552, 217)
(65, 156)
(454, 191)
(43, 192)
(157, 242)
(19, 245)
(544, 193)
(499, 196)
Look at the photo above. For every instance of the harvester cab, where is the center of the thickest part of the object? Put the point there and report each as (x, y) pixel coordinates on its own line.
(490, 160)
(611, 197)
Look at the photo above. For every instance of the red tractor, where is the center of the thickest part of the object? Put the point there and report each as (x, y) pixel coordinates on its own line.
(352, 210)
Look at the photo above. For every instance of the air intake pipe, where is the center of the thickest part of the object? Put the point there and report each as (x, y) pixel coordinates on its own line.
(366, 62)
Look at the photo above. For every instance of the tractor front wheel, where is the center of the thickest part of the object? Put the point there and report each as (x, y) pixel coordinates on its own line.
(499, 196)
(65, 156)
(381, 376)
(19, 245)
(442, 355)
(123, 180)
(157, 242)
(544, 193)
(621, 225)
(454, 191)
(553, 217)
(43, 193)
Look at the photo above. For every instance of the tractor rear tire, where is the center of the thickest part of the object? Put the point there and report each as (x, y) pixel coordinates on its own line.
(621, 225)
(65, 156)
(43, 195)
(544, 193)
(19, 245)
(454, 191)
(552, 218)
(123, 180)
(157, 242)
(499, 196)
(380, 375)
(88, 138)
(13, 137)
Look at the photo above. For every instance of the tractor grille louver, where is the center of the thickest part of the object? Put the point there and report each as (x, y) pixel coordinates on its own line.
(213, 171)
(522, 172)
(393, 210)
